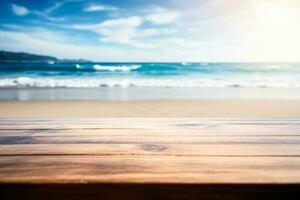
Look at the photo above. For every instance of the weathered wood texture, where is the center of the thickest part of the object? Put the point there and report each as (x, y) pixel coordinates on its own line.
(146, 158)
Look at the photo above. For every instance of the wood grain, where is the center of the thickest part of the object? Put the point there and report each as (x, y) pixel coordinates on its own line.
(148, 169)
(148, 149)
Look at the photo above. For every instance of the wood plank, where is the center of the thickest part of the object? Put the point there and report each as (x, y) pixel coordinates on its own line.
(148, 149)
(140, 123)
(145, 169)
(145, 121)
(127, 139)
(228, 130)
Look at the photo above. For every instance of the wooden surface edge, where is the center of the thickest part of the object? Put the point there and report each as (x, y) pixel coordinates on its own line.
(149, 191)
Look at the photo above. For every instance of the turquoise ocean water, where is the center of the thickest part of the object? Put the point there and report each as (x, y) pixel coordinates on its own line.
(148, 81)
(162, 75)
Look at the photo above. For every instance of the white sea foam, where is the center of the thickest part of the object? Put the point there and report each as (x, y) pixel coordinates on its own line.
(51, 62)
(78, 66)
(277, 67)
(112, 68)
(151, 82)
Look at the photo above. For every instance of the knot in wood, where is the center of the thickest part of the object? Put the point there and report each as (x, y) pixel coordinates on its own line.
(154, 147)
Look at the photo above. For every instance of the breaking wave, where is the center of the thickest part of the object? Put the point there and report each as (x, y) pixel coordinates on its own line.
(111, 68)
(185, 82)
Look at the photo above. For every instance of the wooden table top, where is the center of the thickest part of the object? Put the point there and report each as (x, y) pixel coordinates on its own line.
(150, 151)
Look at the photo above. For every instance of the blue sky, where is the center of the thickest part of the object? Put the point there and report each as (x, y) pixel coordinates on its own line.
(156, 30)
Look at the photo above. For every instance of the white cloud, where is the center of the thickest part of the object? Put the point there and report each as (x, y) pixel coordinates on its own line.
(171, 49)
(155, 31)
(36, 32)
(163, 16)
(49, 18)
(166, 44)
(19, 10)
(115, 30)
(130, 21)
(58, 5)
(13, 26)
(55, 7)
(99, 7)
(125, 30)
(16, 41)
(46, 14)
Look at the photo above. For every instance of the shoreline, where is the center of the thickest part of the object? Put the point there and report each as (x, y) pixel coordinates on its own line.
(152, 108)
(115, 94)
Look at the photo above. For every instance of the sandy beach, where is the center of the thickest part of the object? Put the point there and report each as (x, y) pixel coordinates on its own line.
(160, 108)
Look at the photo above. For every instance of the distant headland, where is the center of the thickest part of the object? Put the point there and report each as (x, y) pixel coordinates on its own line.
(7, 56)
